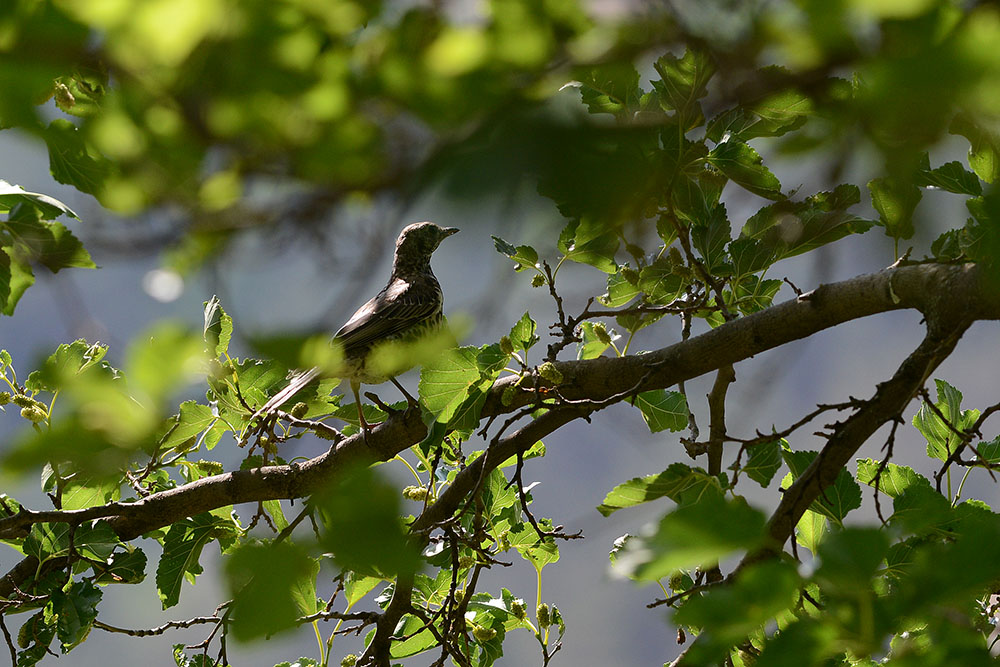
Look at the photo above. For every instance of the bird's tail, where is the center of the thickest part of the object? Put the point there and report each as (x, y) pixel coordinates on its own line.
(296, 383)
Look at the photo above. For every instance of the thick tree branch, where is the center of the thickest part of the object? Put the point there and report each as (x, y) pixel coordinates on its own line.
(939, 291)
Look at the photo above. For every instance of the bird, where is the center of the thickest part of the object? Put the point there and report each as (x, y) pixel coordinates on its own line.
(409, 305)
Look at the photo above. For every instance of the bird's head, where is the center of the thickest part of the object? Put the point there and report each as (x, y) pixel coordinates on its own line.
(417, 241)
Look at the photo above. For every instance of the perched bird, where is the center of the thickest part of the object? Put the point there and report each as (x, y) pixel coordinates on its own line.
(409, 305)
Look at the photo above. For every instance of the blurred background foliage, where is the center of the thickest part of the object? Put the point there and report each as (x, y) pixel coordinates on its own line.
(228, 116)
(194, 123)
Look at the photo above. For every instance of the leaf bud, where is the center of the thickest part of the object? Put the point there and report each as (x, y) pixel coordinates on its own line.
(549, 371)
(542, 614)
(537, 280)
(299, 410)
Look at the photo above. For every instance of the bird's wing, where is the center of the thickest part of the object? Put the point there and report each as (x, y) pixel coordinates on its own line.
(297, 381)
(395, 309)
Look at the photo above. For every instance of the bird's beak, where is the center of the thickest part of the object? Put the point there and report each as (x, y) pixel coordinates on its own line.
(448, 231)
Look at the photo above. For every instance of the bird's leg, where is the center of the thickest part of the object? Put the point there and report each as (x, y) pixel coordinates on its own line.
(355, 387)
(412, 402)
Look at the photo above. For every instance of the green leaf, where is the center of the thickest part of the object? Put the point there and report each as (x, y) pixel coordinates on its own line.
(710, 238)
(940, 433)
(69, 360)
(123, 567)
(73, 162)
(789, 228)
(183, 428)
(271, 585)
(5, 277)
(894, 480)
(728, 614)
(773, 116)
(662, 410)
(35, 635)
(849, 558)
(416, 640)
(682, 82)
(47, 243)
(369, 537)
(744, 166)
(660, 283)
(47, 540)
(589, 242)
(218, 330)
(753, 294)
(181, 549)
(984, 148)
(750, 256)
(524, 256)
(837, 499)
(162, 360)
(75, 609)
(48, 208)
(811, 529)
(698, 533)
(522, 334)
(534, 550)
(676, 482)
(592, 344)
(356, 586)
(21, 278)
(82, 491)
(453, 385)
(895, 200)
(763, 462)
(950, 176)
(621, 289)
(612, 88)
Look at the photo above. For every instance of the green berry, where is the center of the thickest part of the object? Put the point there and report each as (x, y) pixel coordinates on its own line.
(349, 660)
(323, 434)
(517, 609)
(537, 280)
(415, 493)
(23, 401)
(542, 614)
(549, 371)
(299, 410)
(4, 397)
(483, 634)
(34, 414)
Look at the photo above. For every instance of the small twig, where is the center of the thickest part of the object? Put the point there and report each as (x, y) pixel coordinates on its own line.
(9, 640)
(159, 630)
(680, 596)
